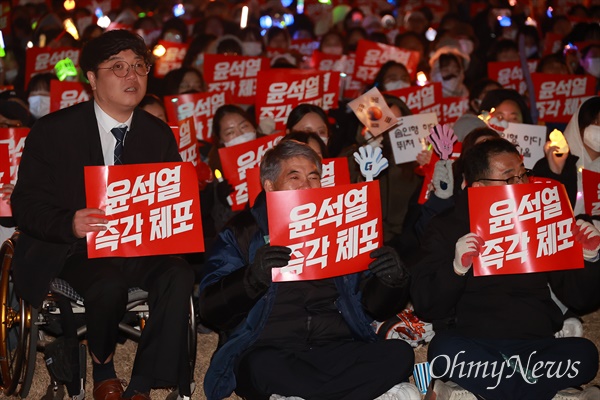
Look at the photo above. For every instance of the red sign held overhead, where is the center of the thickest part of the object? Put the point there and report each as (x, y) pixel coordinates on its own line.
(153, 209)
(200, 106)
(370, 56)
(331, 231)
(510, 74)
(172, 59)
(526, 228)
(233, 74)
(38, 60)
(558, 97)
(422, 99)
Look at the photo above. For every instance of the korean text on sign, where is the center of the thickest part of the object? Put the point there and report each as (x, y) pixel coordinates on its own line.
(526, 228)
(233, 74)
(408, 137)
(331, 231)
(559, 96)
(152, 209)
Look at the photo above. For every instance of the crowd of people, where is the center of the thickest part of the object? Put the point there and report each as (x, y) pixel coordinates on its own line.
(310, 339)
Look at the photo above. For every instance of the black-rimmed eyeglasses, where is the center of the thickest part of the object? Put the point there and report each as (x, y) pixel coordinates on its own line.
(524, 178)
(121, 68)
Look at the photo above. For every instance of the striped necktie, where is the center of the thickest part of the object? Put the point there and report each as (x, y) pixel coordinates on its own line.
(119, 134)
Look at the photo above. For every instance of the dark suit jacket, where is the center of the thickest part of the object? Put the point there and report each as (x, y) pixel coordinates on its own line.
(50, 186)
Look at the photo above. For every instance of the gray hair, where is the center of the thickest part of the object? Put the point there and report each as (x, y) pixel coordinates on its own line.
(270, 166)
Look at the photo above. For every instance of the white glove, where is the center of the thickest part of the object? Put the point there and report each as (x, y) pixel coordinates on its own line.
(467, 248)
(443, 180)
(371, 161)
(589, 237)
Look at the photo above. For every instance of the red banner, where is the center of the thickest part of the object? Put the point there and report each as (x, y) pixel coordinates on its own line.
(233, 74)
(15, 138)
(172, 59)
(591, 191)
(526, 228)
(331, 231)
(185, 134)
(370, 56)
(559, 96)
(304, 46)
(153, 209)
(510, 74)
(38, 60)
(5, 210)
(453, 108)
(422, 99)
(200, 106)
(331, 89)
(236, 160)
(280, 90)
(65, 94)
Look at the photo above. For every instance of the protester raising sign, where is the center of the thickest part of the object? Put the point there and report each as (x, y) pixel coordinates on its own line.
(591, 191)
(370, 56)
(152, 209)
(280, 90)
(408, 137)
(453, 108)
(200, 106)
(233, 74)
(422, 99)
(38, 60)
(526, 228)
(331, 231)
(65, 94)
(510, 74)
(559, 96)
(529, 139)
(236, 160)
(374, 113)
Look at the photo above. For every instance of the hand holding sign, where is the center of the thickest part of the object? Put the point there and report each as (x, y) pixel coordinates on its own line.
(388, 267)
(258, 274)
(589, 237)
(467, 248)
(371, 161)
(443, 138)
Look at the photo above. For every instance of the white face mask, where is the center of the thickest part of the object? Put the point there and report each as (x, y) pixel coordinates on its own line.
(591, 137)
(243, 138)
(39, 105)
(394, 85)
(252, 48)
(592, 66)
(451, 84)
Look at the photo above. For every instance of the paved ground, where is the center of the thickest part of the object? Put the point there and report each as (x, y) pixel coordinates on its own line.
(207, 344)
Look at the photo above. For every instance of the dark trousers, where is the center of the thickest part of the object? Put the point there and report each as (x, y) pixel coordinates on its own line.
(344, 370)
(162, 353)
(513, 369)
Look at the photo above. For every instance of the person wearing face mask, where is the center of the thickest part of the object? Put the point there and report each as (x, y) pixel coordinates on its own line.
(583, 136)
(231, 126)
(448, 67)
(392, 76)
(590, 62)
(38, 94)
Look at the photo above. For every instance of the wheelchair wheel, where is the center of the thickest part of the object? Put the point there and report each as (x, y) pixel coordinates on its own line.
(18, 333)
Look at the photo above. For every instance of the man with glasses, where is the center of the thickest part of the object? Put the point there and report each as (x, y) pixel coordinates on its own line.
(492, 332)
(50, 209)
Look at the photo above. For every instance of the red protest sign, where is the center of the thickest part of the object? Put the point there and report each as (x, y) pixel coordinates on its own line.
(331, 231)
(370, 56)
(64, 94)
(526, 228)
(331, 89)
(5, 210)
(510, 74)
(200, 106)
(236, 160)
(304, 46)
(280, 90)
(591, 191)
(185, 134)
(559, 96)
(453, 108)
(153, 209)
(38, 60)
(15, 138)
(172, 59)
(234, 74)
(422, 99)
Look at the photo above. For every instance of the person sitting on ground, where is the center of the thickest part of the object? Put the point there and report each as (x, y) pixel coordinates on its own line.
(311, 339)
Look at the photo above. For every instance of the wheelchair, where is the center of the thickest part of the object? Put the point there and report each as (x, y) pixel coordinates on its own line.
(24, 329)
